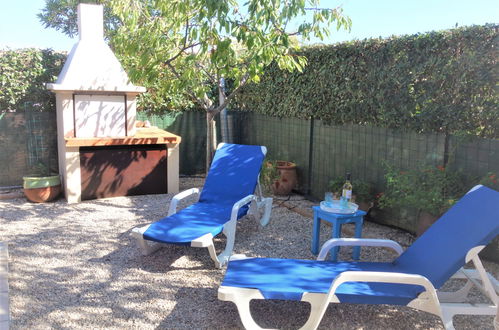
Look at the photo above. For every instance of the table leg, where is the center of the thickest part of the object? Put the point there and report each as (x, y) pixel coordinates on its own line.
(358, 234)
(316, 234)
(336, 234)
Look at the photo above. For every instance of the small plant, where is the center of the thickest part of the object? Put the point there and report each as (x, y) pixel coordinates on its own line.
(427, 188)
(39, 169)
(336, 185)
(269, 175)
(278, 177)
(490, 180)
(363, 191)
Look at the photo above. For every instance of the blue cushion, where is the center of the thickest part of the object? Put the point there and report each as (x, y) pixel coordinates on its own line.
(233, 175)
(437, 255)
(441, 250)
(190, 223)
(289, 278)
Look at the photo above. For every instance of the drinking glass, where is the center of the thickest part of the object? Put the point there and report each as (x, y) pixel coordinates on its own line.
(328, 197)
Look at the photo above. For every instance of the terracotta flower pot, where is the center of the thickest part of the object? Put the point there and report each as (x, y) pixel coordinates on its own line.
(287, 178)
(42, 189)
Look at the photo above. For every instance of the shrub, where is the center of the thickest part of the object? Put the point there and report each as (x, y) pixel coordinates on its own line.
(434, 82)
(490, 180)
(268, 175)
(426, 188)
(23, 74)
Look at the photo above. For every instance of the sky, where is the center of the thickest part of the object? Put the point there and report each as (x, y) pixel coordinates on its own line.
(20, 28)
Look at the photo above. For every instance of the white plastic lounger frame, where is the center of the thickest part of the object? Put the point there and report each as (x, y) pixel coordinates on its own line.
(443, 304)
(259, 205)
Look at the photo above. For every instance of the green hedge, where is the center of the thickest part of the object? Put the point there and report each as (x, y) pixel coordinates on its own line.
(23, 74)
(435, 82)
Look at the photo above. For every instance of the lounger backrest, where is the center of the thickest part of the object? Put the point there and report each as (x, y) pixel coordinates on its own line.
(233, 174)
(441, 250)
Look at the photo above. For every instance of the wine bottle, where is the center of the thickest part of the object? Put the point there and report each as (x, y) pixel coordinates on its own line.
(346, 194)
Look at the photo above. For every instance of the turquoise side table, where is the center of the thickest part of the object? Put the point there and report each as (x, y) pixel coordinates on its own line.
(336, 220)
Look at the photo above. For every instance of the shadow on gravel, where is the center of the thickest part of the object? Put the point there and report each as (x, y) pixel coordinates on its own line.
(77, 266)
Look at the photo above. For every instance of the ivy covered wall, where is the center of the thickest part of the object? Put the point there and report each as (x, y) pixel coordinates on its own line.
(434, 82)
(23, 74)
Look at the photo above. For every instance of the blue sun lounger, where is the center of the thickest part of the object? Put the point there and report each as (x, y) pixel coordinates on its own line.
(228, 195)
(411, 280)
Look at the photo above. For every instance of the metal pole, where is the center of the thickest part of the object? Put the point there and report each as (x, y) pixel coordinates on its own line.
(223, 114)
(310, 155)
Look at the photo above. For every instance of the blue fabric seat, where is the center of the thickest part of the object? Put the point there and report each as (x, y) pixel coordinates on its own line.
(442, 249)
(190, 223)
(289, 279)
(231, 180)
(433, 258)
(233, 175)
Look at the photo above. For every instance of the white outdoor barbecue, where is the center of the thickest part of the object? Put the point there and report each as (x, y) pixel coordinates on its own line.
(101, 152)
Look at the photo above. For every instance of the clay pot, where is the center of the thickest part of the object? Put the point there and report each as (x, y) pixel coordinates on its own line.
(287, 178)
(425, 220)
(42, 189)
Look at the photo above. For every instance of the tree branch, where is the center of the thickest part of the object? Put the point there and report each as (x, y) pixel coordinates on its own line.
(180, 52)
(186, 32)
(227, 100)
(205, 104)
(209, 75)
(320, 9)
(185, 46)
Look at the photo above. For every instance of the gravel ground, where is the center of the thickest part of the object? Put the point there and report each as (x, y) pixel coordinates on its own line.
(76, 266)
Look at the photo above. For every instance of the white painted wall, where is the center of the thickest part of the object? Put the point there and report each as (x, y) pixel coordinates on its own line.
(100, 115)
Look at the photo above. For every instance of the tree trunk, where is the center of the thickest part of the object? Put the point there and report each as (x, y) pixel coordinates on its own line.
(211, 139)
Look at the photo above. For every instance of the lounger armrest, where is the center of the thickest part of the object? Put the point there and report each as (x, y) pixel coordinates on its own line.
(358, 242)
(240, 203)
(229, 231)
(180, 196)
(383, 277)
